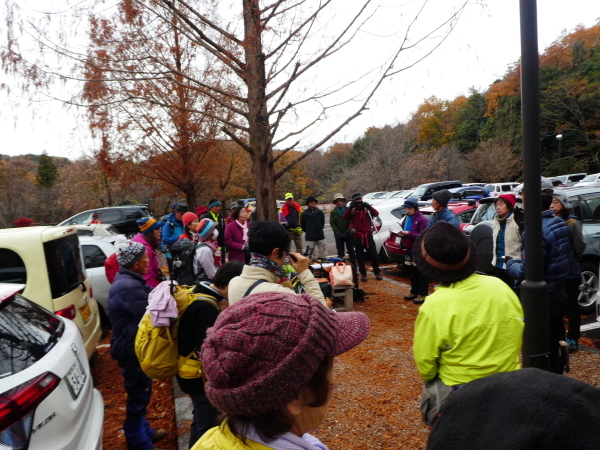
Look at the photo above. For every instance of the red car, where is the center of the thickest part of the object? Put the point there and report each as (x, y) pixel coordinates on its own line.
(464, 211)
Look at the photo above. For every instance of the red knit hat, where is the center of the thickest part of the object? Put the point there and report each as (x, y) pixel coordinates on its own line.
(265, 348)
(510, 198)
(188, 218)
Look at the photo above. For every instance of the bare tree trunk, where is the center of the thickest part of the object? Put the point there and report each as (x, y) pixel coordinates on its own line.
(258, 117)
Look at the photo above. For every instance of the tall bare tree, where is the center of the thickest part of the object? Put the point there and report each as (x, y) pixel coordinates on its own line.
(274, 54)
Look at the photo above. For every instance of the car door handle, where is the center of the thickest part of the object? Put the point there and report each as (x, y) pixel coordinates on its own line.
(596, 235)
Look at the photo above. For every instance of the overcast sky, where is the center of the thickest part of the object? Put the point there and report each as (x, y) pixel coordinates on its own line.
(479, 51)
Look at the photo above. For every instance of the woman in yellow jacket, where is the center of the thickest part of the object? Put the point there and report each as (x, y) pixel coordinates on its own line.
(268, 363)
(469, 328)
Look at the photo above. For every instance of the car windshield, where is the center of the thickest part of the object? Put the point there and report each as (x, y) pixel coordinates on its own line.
(486, 211)
(401, 194)
(420, 191)
(28, 333)
(563, 179)
(378, 195)
(590, 178)
(64, 265)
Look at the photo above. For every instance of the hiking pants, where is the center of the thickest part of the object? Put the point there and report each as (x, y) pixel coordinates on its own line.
(321, 249)
(360, 245)
(573, 313)
(419, 284)
(557, 301)
(339, 244)
(297, 239)
(204, 417)
(139, 389)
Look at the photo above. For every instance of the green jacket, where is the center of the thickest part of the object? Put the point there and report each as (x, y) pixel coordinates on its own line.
(221, 438)
(469, 330)
(338, 225)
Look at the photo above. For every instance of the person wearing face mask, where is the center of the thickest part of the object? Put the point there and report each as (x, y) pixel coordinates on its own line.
(204, 262)
(506, 235)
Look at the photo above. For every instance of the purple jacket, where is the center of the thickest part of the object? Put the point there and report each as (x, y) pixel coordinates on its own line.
(419, 225)
(152, 276)
(234, 240)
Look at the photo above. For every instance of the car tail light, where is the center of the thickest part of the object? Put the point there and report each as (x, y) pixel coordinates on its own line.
(68, 313)
(17, 407)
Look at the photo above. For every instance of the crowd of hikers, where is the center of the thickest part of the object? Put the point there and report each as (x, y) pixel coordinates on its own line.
(265, 349)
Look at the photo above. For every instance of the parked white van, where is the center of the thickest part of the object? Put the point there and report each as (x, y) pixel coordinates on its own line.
(48, 261)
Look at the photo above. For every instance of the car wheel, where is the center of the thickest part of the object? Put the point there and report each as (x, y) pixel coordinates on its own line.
(383, 256)
(130, 235)
(588, 290)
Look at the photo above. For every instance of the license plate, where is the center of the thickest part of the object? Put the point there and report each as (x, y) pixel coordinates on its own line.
(76, 377)
(398, 239)
(86, 313)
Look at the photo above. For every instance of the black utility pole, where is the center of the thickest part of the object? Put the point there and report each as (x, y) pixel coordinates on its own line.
(534, 291)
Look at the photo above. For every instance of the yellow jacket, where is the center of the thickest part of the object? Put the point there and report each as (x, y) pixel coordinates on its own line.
(469, 330)
(221, 438)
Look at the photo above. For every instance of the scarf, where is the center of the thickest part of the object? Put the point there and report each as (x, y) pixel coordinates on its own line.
(263, 262)
(408, 223)
(341, 210)
(285, 210)
(244, 230)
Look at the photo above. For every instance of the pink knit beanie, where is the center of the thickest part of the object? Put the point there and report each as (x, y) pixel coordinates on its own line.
(265, 348)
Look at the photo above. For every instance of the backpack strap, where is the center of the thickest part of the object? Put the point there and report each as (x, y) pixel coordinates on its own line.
(251, 288)
(207, 299)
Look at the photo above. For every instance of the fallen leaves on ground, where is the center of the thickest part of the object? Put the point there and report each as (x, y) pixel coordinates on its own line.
(375, 404)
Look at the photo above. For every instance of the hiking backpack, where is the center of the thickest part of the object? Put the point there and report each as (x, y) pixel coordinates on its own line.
(182, 253)
(156, 347)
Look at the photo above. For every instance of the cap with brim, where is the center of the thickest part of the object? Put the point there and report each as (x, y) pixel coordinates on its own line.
(356, 196)
(181, 208)
(339, 196)
(265, 349)
(288, 195)
(445, 254)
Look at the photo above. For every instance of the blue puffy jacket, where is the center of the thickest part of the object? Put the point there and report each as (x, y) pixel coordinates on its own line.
(445, 215)
(556, 251)
(127, 302)
(171, 230)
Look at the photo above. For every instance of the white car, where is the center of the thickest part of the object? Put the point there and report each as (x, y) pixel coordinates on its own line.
(592, 180)
(396, 198)
(48, 397)
(389, 215)
(105, 230)
(95, 251)
(497, 189)
(369, 197)
(47, 260)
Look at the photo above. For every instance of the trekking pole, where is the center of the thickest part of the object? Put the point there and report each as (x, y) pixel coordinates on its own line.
(380, 238)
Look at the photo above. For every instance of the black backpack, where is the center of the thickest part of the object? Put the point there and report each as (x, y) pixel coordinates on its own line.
(183, 252)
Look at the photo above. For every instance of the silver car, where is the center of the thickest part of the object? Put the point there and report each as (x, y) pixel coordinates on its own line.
(586, 206)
